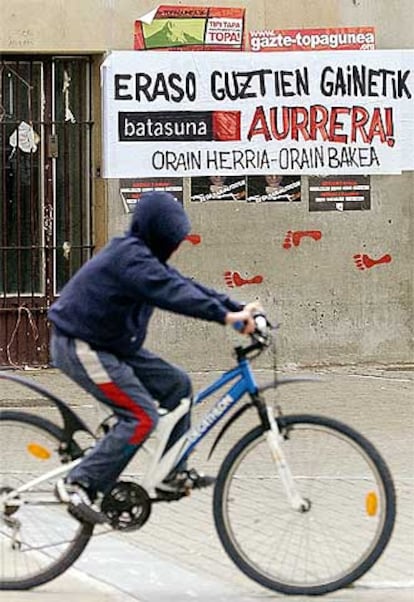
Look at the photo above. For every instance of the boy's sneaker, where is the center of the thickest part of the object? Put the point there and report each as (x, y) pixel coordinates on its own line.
(183, 482)
(80, 503)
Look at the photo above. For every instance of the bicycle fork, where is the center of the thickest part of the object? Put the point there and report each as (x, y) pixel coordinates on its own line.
(275, 441)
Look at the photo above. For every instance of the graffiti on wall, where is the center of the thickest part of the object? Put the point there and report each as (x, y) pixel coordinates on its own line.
(365, 262)
(293, 238)
(235, 279)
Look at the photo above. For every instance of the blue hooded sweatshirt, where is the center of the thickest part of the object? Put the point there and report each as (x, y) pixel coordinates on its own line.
(109, 301)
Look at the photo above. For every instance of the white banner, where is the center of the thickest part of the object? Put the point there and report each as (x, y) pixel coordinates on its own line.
(195, 113)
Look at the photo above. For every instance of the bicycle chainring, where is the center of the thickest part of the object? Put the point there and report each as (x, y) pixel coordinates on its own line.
(127, 506)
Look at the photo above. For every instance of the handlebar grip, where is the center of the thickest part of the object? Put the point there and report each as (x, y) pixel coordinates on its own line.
(239, 326)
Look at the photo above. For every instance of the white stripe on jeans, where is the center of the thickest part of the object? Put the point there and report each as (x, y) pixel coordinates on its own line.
(91, 362)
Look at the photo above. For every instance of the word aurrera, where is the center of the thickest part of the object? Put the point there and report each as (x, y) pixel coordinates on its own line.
(352, 80)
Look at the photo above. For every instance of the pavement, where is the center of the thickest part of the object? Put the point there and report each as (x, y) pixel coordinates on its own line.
(177, 554)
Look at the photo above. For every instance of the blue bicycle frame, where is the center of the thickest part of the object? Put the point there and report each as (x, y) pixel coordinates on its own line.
(242, 374)
(246, 383)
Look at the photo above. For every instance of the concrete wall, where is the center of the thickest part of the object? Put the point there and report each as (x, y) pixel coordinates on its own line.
(99, 25)
(331, 311)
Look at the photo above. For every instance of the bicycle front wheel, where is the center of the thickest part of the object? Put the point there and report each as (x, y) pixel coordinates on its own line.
(351, 514)
(38, 538)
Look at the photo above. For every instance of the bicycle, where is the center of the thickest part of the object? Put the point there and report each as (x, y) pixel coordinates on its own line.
(303, 504)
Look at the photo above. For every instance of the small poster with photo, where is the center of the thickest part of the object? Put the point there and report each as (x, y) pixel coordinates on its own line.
(273, 188)
(218, 188)
(131, 189)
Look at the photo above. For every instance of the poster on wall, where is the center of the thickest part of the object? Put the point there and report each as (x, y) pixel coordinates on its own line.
(191, 28)
(197, 114)
(218, 188)
(131, 189)
(273, 188)
(327, 38)
(253, 189)
(333, 193)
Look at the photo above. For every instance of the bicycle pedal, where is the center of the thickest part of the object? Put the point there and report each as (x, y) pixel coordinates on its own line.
(171, 496)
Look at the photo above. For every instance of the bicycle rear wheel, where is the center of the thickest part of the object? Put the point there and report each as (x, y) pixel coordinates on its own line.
(39, 540)
(344, 531)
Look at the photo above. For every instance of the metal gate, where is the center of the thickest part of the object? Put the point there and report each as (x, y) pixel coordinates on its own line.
(45, 194)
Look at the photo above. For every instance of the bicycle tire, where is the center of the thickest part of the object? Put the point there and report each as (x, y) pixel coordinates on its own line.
(41, 437)
(332, 514)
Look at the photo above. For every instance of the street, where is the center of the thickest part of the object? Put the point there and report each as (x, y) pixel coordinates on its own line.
(177, 554)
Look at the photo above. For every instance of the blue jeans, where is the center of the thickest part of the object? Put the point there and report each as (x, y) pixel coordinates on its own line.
(128, 386)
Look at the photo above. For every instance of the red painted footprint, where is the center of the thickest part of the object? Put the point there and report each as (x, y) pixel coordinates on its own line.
(294, 237)
(195, 239)
(365, 262)
(233, 279)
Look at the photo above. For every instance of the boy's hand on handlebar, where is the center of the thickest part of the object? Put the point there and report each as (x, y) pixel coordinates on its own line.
(254, 307)
(242, 317)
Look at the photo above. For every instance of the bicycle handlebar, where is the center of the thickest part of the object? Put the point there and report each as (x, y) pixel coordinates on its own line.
(261, 336)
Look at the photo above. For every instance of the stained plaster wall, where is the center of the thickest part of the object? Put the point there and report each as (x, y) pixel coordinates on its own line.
(331, 311)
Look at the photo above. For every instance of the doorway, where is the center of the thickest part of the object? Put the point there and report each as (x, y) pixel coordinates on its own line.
(45, 194)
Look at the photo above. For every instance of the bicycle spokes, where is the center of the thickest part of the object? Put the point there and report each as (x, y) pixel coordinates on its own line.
(38, 538)
(315, 526)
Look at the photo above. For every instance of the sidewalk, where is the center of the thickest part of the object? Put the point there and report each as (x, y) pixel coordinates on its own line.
(74, 586)
(177, 554)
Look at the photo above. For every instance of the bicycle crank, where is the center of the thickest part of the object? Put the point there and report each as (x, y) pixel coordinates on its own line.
(127, 506)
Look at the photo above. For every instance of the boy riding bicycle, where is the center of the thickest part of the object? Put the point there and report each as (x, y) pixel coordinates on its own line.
(100, 322)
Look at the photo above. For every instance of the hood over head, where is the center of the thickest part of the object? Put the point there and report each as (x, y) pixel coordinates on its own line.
(161, 222)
